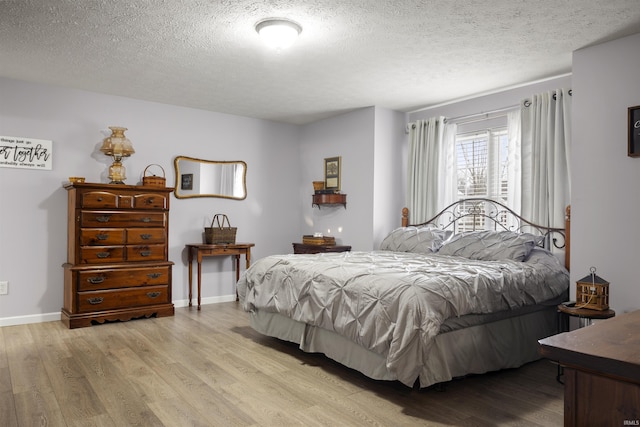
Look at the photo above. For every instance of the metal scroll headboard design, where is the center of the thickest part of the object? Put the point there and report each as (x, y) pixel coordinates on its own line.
(486, 214)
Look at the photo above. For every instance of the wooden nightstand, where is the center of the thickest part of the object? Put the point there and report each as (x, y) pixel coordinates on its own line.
(301, 248)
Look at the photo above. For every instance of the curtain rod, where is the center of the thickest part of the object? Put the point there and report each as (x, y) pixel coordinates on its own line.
(469, 117)
(527, 103)
(483, 115)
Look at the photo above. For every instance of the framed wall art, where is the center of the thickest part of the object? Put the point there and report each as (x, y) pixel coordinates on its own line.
(186, 182)
(633, 149)
(332, 173)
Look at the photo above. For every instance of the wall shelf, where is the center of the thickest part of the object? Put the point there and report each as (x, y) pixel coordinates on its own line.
(329, 199)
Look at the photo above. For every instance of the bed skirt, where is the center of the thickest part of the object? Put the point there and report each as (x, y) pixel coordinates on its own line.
(500, 343)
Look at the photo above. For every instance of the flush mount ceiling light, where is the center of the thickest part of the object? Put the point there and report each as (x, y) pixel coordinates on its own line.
(278, 33)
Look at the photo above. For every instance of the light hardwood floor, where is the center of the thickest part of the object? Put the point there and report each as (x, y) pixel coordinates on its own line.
(209, 368)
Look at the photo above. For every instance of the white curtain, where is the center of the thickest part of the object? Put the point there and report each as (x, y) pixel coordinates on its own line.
(546, 146)
(514, 161)
(431, 168)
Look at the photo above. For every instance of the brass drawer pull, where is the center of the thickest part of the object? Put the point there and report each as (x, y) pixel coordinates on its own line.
(153, 294)
(103, 218)
(150, 200)
(145, 236)
(96, 280)
(145, 253)
(154, 275)
(99, 199)
(145, 219)
(102, 236)
(103, 254)
(95, 300)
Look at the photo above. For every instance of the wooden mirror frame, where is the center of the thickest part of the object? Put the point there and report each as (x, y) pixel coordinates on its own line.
(189, 180)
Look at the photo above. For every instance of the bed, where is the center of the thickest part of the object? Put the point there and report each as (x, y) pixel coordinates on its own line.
(470, 291)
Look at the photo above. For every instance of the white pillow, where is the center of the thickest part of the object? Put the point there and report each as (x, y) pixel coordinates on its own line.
(415, 239)
(491, 245)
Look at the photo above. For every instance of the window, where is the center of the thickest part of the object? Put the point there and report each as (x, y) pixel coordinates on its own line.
(482, 167)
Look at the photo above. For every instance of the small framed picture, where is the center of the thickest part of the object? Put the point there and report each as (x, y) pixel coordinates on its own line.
(186, 181)
(633, 149)
(332, 173)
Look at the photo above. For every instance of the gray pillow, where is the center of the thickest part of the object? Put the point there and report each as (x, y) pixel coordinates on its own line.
(414, 239)
(491, 245)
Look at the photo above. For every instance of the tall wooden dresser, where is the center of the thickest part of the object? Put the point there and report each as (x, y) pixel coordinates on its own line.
(118, 264)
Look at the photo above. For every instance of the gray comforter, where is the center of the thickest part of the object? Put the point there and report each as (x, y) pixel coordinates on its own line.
(393, 303)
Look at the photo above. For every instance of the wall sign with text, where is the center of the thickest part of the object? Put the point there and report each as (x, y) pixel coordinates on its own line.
(634, 132)
(25, 153)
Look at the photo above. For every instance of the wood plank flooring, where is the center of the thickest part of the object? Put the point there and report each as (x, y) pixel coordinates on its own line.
(209, 368)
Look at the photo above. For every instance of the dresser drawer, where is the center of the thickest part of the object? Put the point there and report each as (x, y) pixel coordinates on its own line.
(122, 219)
(99, 200)
(122, 278)
(146, 253)
(102, 236)
(101, 254)
(149, 201)
(145, 235)
(122, 298)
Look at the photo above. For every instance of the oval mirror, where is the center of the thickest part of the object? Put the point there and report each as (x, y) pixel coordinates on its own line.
(210, 178)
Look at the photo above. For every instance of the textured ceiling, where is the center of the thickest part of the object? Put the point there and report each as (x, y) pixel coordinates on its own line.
(205, 54)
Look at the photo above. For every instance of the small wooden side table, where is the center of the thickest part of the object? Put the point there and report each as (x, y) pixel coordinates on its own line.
(301, 248)
(204, 250)
(586, 316)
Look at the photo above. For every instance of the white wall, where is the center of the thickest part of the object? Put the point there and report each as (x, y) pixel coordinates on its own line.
(605, 198)
(33, 204)
(350, 136)
(389, 179)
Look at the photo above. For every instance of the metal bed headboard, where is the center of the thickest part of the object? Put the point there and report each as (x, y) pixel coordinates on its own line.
(486, 214)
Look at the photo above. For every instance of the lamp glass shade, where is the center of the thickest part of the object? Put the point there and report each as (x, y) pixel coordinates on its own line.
(117, 145)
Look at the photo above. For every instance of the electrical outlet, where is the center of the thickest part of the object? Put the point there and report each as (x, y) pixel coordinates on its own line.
(4, 288)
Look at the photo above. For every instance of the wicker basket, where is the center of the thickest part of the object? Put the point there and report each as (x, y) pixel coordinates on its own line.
(153, 180)
(218, 233)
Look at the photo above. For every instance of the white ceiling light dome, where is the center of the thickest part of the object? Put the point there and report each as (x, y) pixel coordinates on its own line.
(278, 33)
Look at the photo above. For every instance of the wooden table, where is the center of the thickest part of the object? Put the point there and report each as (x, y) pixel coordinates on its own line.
(602, 371)
(204, 250)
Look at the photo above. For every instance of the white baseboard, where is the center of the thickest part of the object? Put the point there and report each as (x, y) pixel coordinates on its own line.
(32, 318)
(55, 317)
(205, 301)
